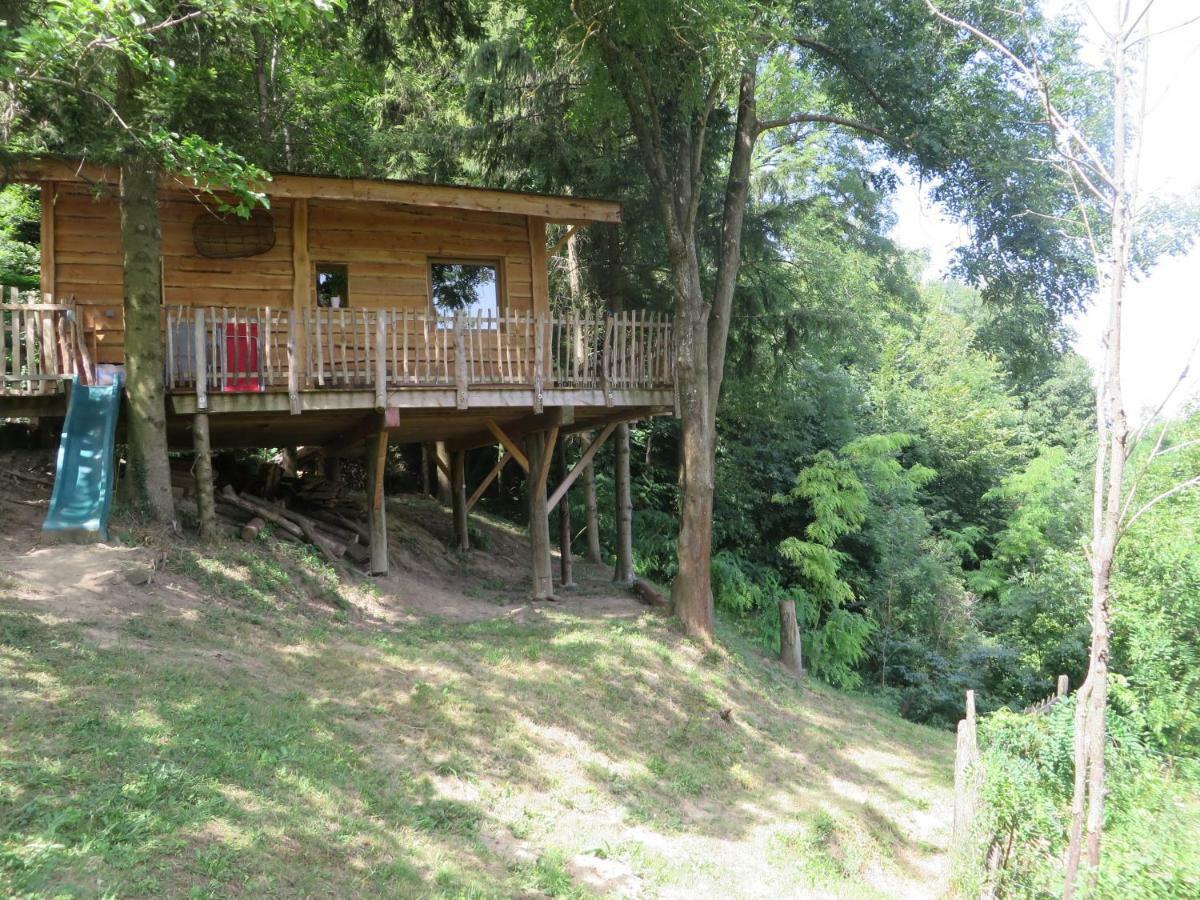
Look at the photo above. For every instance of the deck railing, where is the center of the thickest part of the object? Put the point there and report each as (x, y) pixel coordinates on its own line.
(43, 346)
(273, 349)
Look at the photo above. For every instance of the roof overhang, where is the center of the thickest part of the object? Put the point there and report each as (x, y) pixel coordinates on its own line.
(571, 210)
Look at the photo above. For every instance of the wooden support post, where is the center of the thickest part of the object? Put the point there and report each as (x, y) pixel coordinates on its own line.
(1061, 689)
(789, 638)
(623, 571)
(539, 520)
(302, 295)
(458, 495)
(427, 457)
(381, 323)
(48, 197)
(203, 471)
(200, 352)
(376, 464)
(441, 457)
(591, 513)
(565, 563)
(966, 778)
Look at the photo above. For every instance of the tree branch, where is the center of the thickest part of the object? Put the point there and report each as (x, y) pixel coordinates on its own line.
(1153, 502)
(821, 119)
(832, 53)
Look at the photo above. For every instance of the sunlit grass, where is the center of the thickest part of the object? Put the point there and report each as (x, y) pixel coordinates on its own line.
(277, 746)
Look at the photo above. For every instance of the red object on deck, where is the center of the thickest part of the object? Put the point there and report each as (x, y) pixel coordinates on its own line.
(242, 372)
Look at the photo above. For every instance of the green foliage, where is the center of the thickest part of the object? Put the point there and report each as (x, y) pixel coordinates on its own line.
(19, 260)
(1026, 785)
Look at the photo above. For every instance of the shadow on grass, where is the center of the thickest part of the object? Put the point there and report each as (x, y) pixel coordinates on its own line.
(305, 757)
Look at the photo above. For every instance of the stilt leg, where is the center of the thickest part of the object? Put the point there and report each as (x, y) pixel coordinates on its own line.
(458, 496)
(205, 505)
(376, 463)
(539, 520)
(565, 567)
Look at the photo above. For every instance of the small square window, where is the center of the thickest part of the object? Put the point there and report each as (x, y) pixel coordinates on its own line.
(333, 286)
(468, 287)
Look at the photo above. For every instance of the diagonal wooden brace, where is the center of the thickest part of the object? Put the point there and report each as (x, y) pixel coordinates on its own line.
(508, 444)
(561, 490)
(491, 476)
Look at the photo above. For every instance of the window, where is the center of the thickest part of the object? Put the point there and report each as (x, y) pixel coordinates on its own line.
(468, 287)
(333, 286)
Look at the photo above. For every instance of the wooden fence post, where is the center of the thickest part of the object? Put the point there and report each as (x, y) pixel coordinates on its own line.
(966, 776)
(1063, 683)
(789, 638)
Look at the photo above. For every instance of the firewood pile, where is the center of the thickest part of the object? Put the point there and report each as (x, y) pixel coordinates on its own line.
(299, 506)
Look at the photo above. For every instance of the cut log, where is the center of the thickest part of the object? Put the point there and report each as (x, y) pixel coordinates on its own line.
(251, 529)
(649, 594)
(287, 520)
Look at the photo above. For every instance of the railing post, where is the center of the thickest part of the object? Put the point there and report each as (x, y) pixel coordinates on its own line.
(381, 360)
(200, 351)
(539, 352)
(293, 374)
(460, 362)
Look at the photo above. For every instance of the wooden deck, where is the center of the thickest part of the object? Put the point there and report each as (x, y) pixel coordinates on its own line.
(269, 376)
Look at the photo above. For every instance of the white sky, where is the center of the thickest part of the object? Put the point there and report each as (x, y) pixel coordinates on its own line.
(1162, 311)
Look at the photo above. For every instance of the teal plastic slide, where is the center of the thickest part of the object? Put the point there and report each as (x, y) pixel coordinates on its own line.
(83, 478)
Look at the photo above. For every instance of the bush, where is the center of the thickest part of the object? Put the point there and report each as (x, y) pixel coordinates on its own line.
(1151, 815)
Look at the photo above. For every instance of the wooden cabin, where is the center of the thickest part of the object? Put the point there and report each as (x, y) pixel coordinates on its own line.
(350, 310)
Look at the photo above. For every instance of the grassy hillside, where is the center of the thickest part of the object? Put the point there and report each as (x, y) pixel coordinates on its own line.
(248, 722)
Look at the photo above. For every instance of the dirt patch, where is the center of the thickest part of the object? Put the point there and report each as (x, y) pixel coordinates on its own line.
(104, 584)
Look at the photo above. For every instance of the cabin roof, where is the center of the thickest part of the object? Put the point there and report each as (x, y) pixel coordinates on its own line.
(554, 208)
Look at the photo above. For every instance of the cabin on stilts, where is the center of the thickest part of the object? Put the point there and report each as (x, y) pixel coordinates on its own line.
(350, 314)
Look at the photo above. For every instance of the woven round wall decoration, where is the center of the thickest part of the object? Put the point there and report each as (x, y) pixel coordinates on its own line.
(229, 235)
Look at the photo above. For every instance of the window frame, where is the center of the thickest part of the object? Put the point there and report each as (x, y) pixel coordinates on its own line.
(316, 283)
(495, 263)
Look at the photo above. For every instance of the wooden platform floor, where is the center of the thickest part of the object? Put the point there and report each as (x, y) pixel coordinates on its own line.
(341, 420)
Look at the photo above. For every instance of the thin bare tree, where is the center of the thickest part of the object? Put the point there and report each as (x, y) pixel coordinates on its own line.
(1105, 184)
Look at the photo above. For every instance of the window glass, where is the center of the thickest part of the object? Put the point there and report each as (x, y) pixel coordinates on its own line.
(464, 287)
(333, 286)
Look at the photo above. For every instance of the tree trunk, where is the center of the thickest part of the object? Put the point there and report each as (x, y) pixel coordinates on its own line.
(426, 464)
(458, 496)
(443, 480)
(539, 521)
(1108, 496)
(566, 563)
(623, 569)
(205, 502)
(591, 511)
(148, 482)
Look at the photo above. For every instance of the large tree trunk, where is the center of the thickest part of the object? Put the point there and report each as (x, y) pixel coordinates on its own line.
(148, 481)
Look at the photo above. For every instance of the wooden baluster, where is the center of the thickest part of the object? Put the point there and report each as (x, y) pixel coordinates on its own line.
(405, 346)
(171, 361)
(31, 361)
(15, 326)
(394, 366)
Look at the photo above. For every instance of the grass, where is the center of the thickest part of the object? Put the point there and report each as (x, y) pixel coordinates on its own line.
(264, 745)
